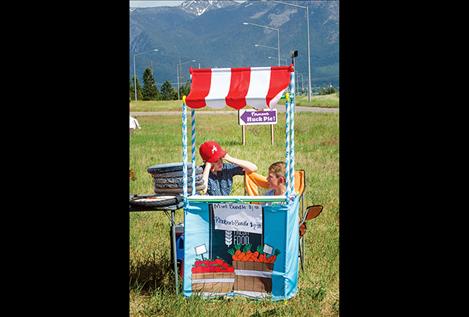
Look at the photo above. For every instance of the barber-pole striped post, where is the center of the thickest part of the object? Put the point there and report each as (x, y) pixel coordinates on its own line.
(287, 145)
(292, 133)
(184, 149)
(193, 149)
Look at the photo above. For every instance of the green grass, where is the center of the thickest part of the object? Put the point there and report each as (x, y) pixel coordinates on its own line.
(325, 101)
(316, 151)
(165, 105)
(161, 105)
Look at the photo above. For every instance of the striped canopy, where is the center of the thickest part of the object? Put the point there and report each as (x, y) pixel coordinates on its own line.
(258, 87)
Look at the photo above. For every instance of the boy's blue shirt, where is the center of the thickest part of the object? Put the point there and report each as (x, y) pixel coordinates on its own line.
(220, 184)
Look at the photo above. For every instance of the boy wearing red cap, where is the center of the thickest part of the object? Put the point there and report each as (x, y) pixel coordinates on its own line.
(217, 175)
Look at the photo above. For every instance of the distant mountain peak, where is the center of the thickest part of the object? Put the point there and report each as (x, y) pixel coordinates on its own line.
(199, 7)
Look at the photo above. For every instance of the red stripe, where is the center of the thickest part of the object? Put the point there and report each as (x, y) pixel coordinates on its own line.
(279, 80)
(239, 85)
(200, 87)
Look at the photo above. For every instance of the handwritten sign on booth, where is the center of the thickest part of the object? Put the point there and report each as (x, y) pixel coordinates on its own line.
(238, 217)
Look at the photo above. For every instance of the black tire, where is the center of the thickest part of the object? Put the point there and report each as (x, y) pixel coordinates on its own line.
(198, 171)
(169, 168)
(175, 180)
(174, 191)
(178, 185)
(152, 201)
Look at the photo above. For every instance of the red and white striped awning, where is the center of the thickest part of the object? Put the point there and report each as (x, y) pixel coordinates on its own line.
(258, 87)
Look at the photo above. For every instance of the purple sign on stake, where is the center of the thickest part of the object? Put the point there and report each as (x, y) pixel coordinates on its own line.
(253, 117)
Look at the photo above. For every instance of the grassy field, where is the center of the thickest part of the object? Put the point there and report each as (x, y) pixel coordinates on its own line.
(317, 151)
(324, 101)
(164, 105)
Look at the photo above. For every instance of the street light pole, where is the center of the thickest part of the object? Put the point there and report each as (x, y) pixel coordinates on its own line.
(267, 27)
(309, 57)
(309, 50)
(135, 74)
(177, 75)
(283, 59)
(302, 83)
(135, 82)
(179, 65)
(278, 56)
(278, 45)
(259, 45)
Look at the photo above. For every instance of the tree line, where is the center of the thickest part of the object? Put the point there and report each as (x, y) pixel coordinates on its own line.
(150, 91)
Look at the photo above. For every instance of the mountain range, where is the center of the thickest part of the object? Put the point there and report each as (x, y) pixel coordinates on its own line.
(212, 33)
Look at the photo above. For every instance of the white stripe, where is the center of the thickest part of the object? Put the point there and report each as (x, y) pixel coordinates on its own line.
(258, 87)
(253, 273)
(252, 294)
(274, 101)
(219, 87)
(214, 280)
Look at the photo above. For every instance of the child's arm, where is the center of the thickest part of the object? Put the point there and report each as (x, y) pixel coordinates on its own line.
(246, 165)
(207, 168)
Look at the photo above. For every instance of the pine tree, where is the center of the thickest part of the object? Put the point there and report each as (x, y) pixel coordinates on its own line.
(168, 92)
(132, 91)
(150, 92)
(185, 89)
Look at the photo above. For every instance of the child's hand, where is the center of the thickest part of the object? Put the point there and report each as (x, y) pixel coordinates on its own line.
(208, 166)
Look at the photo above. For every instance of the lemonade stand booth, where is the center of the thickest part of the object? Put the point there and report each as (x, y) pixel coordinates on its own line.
(240, 245)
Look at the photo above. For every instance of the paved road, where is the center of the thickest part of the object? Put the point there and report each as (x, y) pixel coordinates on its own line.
(280, 108)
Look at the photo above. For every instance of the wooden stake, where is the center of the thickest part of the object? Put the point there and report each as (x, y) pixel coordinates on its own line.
(272, 133)
(243, 129)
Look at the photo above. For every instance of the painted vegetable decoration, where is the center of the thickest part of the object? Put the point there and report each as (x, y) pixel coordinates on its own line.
(211, 266)
(212, 277)
(244, 254)
(253, 270)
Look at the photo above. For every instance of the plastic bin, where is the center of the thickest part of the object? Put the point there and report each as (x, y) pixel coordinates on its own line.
(180, 248)
(180, 242)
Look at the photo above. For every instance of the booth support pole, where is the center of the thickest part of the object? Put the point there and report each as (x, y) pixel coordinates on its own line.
(193, 149)
(184, 148)
(184, 170)
(292, 134)
(287, 146)
(175, 262)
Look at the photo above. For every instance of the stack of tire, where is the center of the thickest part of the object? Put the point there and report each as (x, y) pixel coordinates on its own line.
(168, 178)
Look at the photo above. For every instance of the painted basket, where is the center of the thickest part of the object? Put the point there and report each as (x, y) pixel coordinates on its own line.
(253, 278)
(213, 283)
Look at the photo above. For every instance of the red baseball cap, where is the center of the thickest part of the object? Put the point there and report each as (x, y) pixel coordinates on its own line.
(211, 151)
